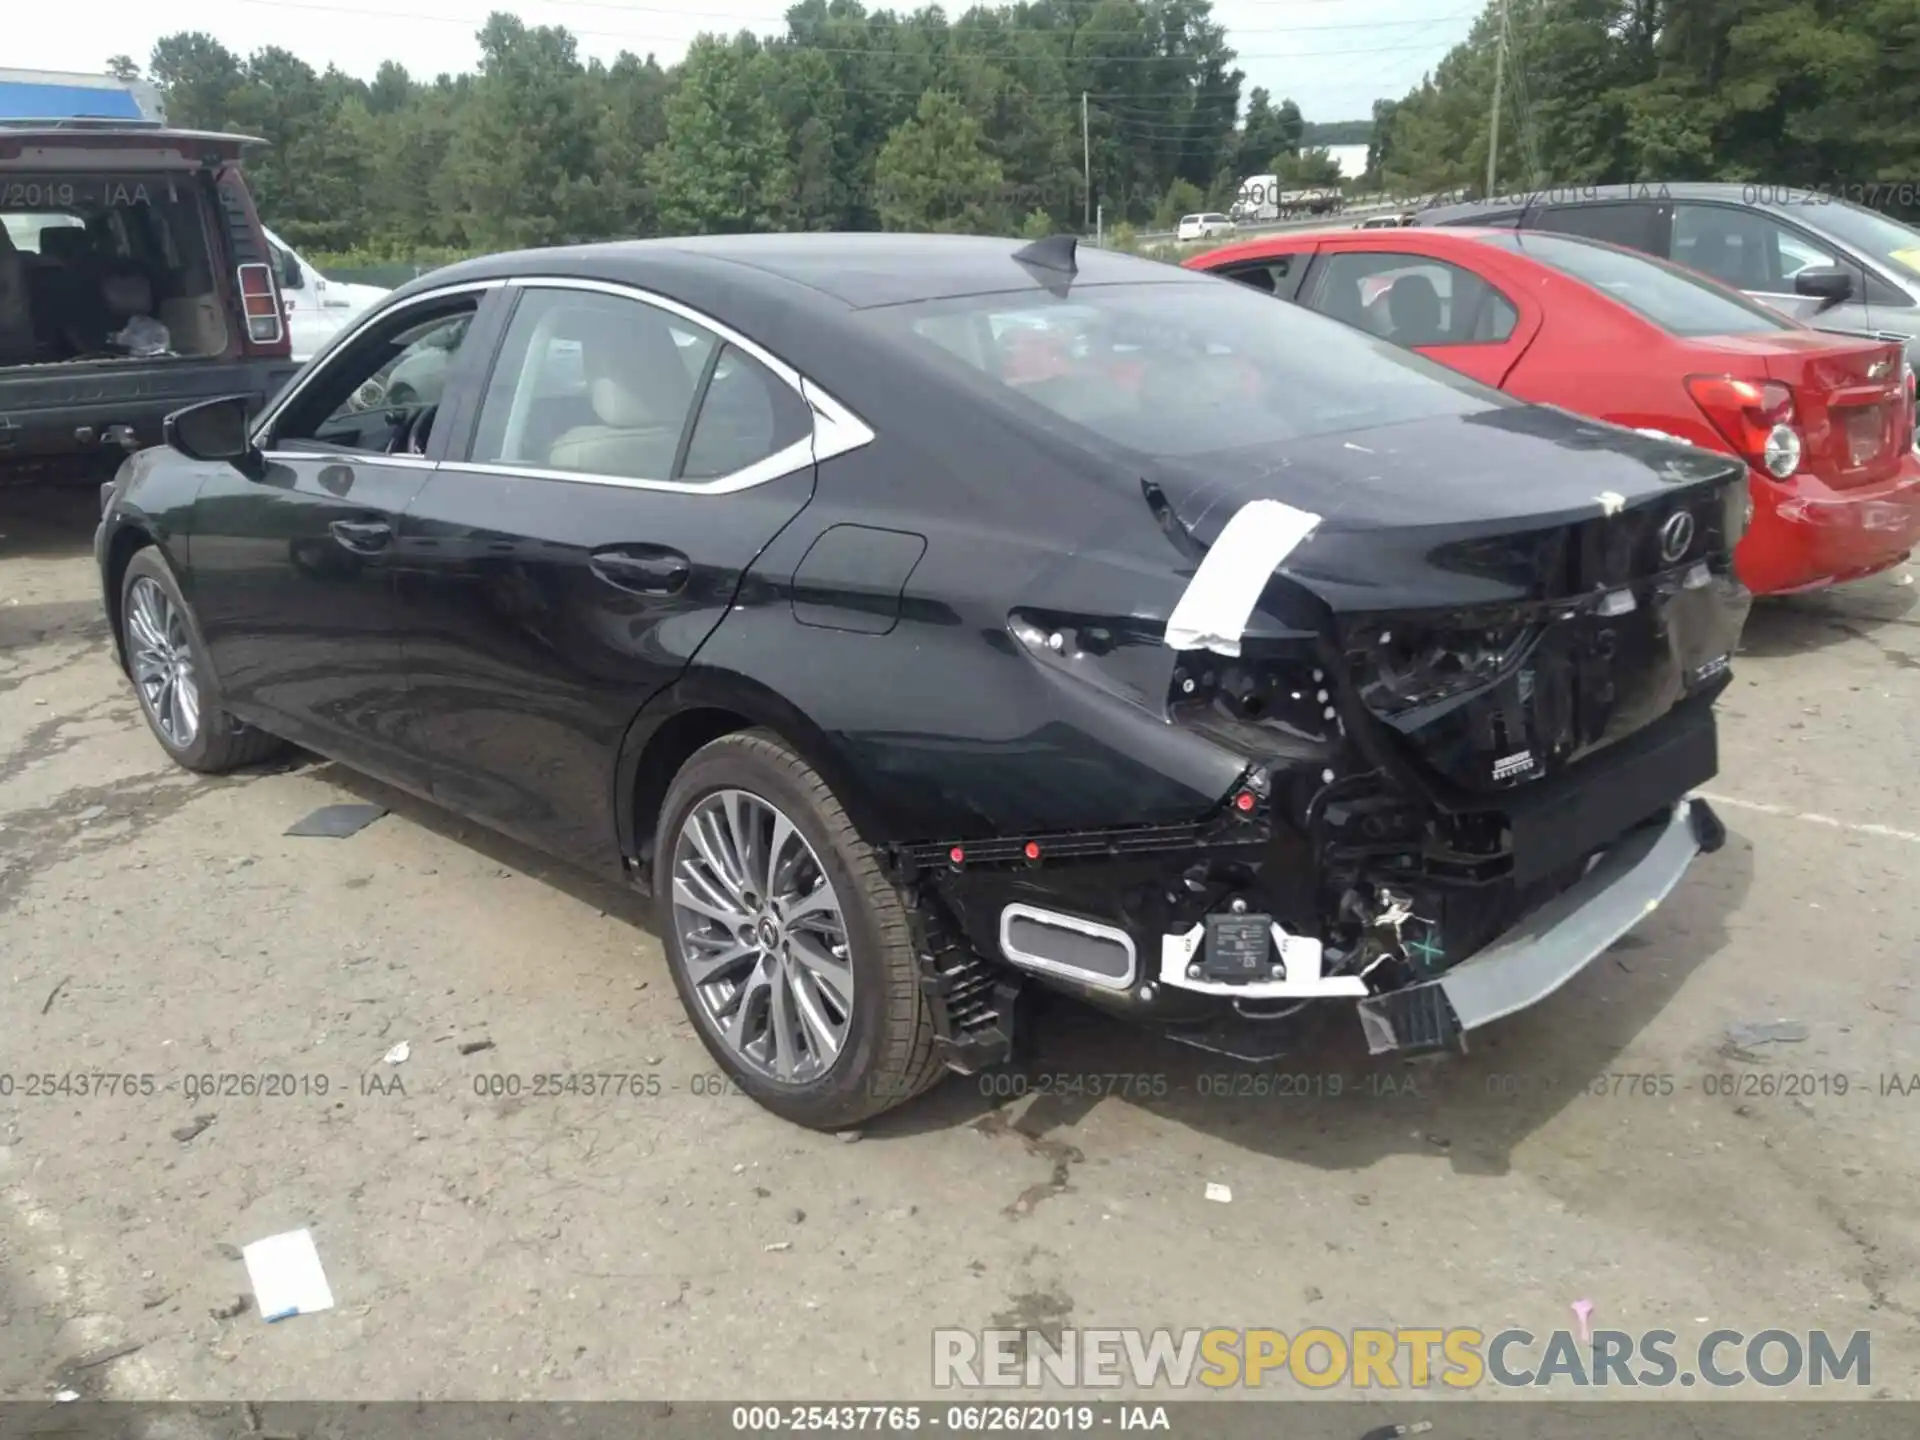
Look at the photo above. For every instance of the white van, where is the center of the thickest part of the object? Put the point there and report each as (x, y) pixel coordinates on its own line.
(316, 306)
(1204, 227)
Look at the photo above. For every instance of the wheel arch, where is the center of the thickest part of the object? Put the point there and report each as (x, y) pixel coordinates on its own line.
(126, 541)
(697, 709)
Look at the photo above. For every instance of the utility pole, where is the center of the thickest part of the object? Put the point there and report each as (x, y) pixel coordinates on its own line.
(1086, 159)
(1499, 78)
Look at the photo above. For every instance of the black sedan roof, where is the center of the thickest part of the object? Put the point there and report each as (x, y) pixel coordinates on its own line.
(861, 270)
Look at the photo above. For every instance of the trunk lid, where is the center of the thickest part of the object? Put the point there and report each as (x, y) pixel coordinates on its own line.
(1509, 591)
(1850, 399)
(1854, 410)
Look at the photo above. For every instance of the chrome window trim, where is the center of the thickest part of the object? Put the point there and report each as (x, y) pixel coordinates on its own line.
(352, 457)
(339, 343)
(794, 457)
(836, 429)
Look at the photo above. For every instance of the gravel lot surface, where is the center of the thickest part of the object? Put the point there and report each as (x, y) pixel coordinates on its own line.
(485, 1242)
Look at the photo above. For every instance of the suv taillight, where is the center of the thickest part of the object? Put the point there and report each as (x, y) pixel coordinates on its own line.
(260, 303)
(1755, 417)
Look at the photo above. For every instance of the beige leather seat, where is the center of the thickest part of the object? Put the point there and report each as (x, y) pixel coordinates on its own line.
(640, 388)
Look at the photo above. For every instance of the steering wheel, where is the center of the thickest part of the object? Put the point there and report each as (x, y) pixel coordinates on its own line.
(418, 431)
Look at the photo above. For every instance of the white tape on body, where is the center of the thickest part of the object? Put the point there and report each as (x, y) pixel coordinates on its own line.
(1219, 600)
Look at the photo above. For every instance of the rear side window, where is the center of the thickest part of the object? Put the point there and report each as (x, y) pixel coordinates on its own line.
(1276, 275)
(1413, 299)
(1676, 301)
(592, 384)
(1633, 225)
(1177, 370)
(1743, 248)
(747, 414)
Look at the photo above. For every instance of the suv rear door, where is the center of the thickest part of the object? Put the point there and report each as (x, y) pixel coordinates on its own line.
(151, 223)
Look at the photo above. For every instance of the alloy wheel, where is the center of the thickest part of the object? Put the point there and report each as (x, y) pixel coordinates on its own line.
(162, 658)
(762, 936)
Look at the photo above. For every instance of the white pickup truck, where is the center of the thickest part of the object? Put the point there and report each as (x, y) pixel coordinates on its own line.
(316, 306)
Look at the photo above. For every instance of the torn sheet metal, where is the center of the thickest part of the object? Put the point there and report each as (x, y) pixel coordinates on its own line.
(1219, 600)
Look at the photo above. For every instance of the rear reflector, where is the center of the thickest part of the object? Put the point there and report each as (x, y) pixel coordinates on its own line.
(260, 303)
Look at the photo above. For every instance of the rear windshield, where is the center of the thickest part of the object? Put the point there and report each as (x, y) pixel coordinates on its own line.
(101, 266)
(1176, 370)
(1678, 302)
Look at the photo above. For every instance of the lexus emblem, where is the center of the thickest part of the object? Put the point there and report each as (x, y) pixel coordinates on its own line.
(1676, 536)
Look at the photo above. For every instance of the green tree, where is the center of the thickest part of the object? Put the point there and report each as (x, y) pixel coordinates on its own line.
(934, 172)
(630, 97)
(1183, 198)
(723, 164)
(199, 76)
(520, 168)
(810, 106)
(123, 67)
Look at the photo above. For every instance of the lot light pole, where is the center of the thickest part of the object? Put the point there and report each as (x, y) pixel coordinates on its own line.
(1086, 160)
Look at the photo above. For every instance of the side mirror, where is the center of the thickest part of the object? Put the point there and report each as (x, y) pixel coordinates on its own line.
(216, 430)
(1829, 284)
(291, 277)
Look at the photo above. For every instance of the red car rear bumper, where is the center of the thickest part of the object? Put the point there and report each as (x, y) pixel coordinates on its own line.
(1805, 534)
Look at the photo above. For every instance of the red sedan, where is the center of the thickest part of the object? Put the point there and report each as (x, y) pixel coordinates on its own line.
(1825, 421)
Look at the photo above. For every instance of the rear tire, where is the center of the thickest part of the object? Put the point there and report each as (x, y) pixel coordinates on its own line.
(167, 660)
(886, 1053)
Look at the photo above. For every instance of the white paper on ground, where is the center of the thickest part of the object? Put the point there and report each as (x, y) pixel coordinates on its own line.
(1219, 600)
(286, 1274)
(1218, 1192)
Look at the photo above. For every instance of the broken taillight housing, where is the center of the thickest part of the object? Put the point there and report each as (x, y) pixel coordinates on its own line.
(1288, 696)
(1406, 667)
(1755, 417)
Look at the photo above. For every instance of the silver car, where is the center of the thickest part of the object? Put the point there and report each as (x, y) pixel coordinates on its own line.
(1808, 253)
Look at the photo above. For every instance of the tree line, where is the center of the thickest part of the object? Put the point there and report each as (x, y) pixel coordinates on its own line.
(859, 119)
(851, 119)
(1815, 93)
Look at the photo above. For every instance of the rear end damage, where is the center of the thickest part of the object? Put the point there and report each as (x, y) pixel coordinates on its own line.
(1443, 815)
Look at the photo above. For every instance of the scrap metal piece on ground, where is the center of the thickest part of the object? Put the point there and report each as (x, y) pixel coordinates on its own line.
(337, 822)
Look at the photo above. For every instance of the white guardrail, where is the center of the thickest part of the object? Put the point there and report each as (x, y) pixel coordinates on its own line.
(1332, 220)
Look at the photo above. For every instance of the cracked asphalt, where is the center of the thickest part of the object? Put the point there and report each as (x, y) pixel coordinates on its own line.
(487, 1242)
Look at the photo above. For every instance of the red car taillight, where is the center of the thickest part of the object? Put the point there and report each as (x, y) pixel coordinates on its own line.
(260, 303)
(1755, 417)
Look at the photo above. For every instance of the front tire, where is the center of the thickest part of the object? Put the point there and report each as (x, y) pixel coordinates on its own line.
(789, 947)
(167, 661)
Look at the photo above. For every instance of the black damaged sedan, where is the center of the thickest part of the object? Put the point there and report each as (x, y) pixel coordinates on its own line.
(922, 619)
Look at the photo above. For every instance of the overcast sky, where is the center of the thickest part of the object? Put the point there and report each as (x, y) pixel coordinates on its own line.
(1334, 57)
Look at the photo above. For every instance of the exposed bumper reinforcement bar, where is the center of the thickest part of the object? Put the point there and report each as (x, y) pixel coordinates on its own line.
(1550, 946)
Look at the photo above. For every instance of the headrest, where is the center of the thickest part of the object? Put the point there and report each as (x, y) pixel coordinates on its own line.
(1414, 305)
(635, 374)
